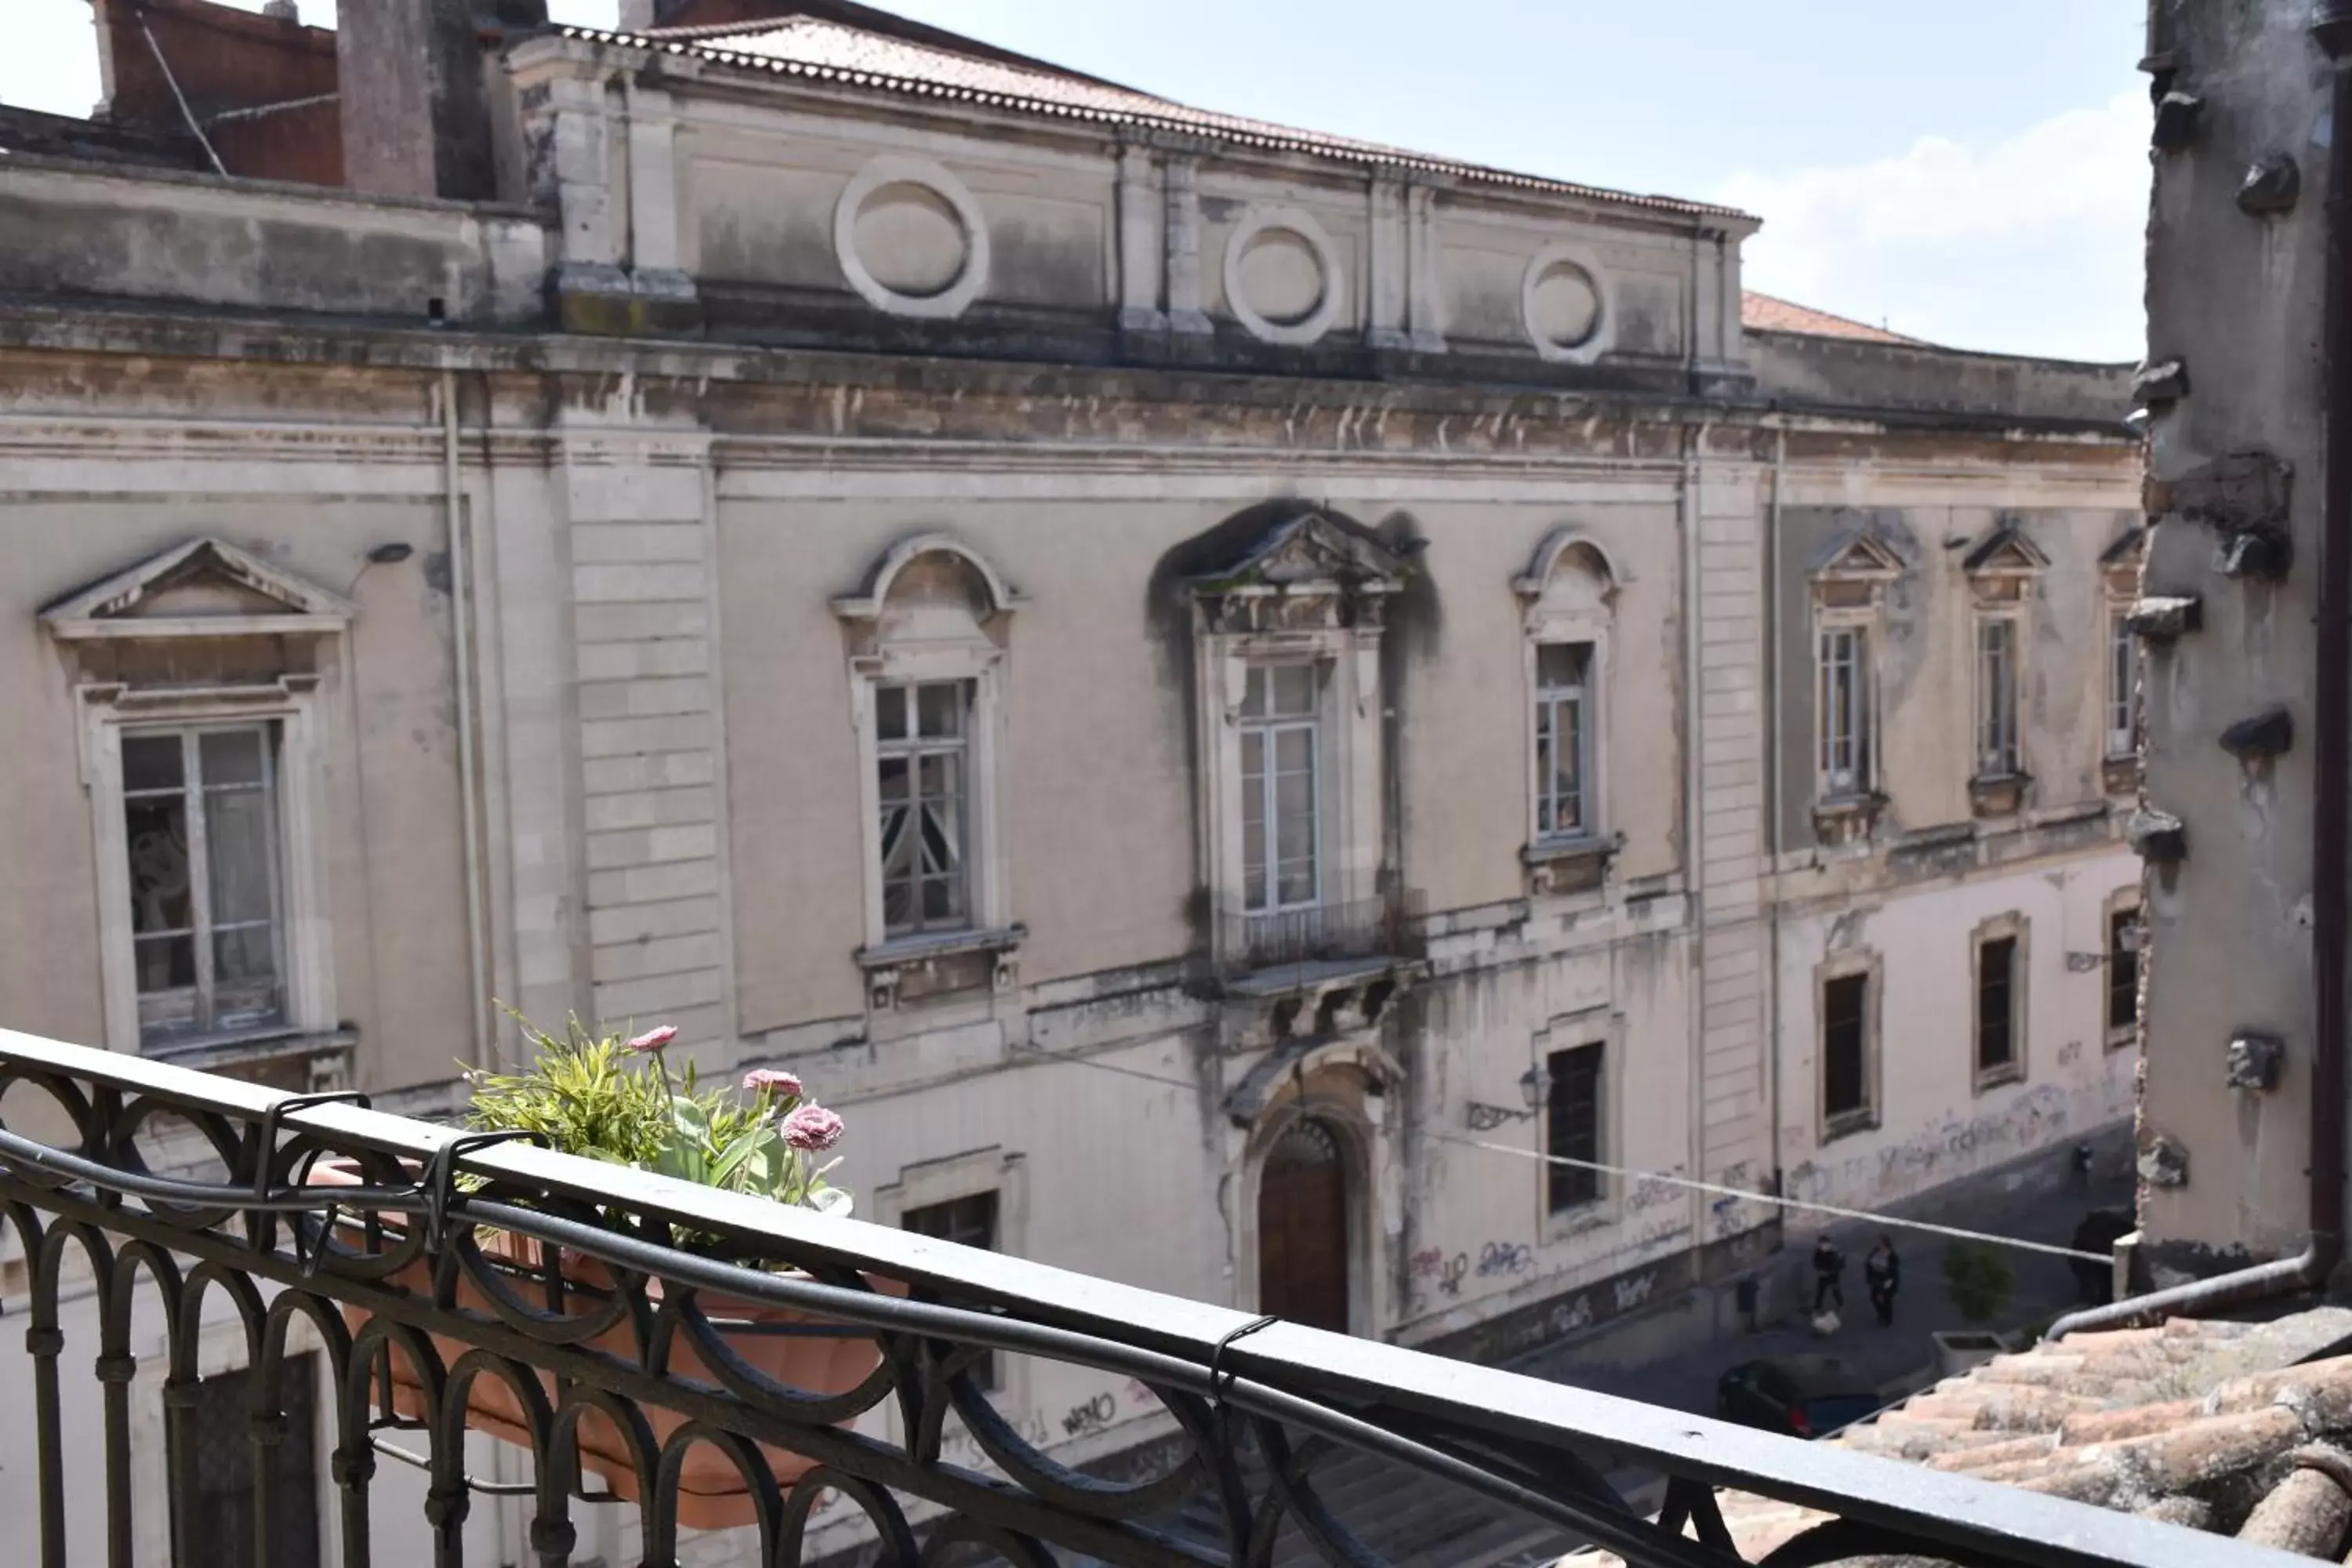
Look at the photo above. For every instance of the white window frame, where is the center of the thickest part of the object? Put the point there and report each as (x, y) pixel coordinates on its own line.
(1998, 702)
(1860, 778)
(980, 667)
(1871, 968)
(1586, 739)
(1568, 593)
(307, 970)
(925, 649)
(2122, 705)
(1347, 756)
(911, 747)
(2014, 927)
(932, 1182)
(1269, 728)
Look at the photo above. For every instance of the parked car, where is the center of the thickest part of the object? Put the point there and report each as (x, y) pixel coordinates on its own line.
(1797, 1395)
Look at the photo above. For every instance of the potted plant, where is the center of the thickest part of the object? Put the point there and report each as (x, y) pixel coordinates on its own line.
(1978, 1282)
(616, 1099)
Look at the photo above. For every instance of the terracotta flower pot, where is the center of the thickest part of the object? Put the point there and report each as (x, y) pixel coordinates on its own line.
(712, 1494)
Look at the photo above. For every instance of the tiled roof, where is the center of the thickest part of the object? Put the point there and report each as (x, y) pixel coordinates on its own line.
(827, 51)
(1765, 313)
(2219, 1427)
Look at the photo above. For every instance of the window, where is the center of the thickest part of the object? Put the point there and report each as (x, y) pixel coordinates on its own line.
(2123, 699)
(1845, 1051)
(225, 1499)
(200, 831)
(1845, 728)
(968, 1221)
(1996, 1008)
(1997, 753)
(1564, 771)
(2123, 975)
(1280, 857)
(922, 770)
(1572, 1127)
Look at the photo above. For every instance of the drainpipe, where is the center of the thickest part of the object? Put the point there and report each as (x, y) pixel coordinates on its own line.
(461, 610)
(2309, 1269)
(1774, 751)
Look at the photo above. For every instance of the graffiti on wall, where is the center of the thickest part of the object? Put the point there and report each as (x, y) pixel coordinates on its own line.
(1953, 1147)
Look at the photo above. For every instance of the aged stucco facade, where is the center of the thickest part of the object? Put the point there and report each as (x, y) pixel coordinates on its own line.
(2246, 926)
(1197, 539)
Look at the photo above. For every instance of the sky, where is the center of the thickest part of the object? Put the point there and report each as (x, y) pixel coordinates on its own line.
(1974, 176)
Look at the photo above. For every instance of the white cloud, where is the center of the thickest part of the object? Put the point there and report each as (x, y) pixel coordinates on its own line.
(2031, 244)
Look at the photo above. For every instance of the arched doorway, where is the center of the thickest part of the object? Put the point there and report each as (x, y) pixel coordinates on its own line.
(1302, 1227)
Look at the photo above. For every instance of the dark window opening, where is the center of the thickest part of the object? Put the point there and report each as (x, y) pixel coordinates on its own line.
(1996, 1005)
(227, 1502)
(968, 1222)
(2122, 970)
(1845, 1084)
(1572, 1127)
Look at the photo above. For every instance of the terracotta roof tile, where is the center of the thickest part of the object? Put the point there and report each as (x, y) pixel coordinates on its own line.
(2206, 1426)
(1768, 313)
(837, 54)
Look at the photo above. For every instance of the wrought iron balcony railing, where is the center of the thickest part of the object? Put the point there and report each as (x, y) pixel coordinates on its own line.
(473, 1263)
(1252, 941)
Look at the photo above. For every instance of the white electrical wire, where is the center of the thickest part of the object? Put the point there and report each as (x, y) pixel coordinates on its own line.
(1889, 1222)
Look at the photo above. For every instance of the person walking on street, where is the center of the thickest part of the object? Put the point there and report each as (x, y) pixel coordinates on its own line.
(1828, 1275)
(1883, 1272)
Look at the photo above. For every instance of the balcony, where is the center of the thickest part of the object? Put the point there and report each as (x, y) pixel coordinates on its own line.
(1287, 949)
(447, 1264)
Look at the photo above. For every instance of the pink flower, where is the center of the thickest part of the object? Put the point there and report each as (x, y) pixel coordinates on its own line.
(775, 1081)
(812, 1127)
(654, 1040)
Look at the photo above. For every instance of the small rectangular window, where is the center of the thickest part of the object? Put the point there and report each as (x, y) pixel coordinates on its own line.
(2123, 972)
(922, 765)
(1845, 717)
(1845, 1078)
(227, 1501)
(1996, 1006)
(1564, 739)
(200, 831)
(2123, 694)
(968, 1221)
(1996, 752)
(1280, 746)
(1572, 1127)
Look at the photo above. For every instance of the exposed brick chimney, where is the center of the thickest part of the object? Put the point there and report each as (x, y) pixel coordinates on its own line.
(415, 111)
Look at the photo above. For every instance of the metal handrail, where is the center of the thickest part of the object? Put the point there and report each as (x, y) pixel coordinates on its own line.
(1538, 1448)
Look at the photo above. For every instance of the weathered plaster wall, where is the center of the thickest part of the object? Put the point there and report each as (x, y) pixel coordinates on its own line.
(81, 229)
(1925, 659)
(1933, 1126)
(390, 837)
(2236, 299)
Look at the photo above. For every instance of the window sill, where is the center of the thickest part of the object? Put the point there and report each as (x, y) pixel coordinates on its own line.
(1580, 1220)
(1846, 1126)
(1578, 865)
(1846, 819)
(2121, 775)
(2123, 1040)
(940, 963)
(260, 1047)
(900, 951)
(1999, 794)
(2000, 1076)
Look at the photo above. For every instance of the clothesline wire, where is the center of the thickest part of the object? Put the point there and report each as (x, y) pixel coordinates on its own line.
(1890, 1222)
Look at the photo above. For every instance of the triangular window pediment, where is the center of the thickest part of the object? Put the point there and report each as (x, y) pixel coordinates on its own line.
(1859, 556)
(2126, 549)
(2006, 551)
(205, 587)
(1311, 552)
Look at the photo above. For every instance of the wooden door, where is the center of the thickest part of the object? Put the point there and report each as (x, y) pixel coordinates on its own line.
(1302, 1229)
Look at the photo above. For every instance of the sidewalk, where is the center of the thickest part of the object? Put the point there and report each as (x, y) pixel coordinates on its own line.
(1901, 1359)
